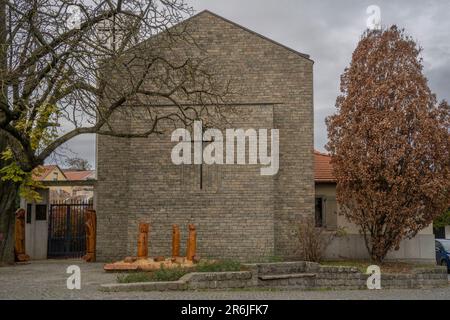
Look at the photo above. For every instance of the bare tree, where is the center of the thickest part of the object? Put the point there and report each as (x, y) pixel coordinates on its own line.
(313, 240)
(390, 143)
(77, 164)
(75, 67)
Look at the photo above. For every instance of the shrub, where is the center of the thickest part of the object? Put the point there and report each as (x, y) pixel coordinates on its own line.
(313, 241)
(443, 220)
(165, 274)
(134, 277)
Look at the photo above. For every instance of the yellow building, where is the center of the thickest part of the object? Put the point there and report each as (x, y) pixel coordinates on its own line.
(65, 192)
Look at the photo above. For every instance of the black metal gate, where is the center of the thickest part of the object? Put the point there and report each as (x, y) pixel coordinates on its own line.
(66, 229)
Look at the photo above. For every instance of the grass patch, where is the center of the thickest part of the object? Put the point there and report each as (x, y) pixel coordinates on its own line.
(162, 274)
(386, 267)
(174, 274)
(134, 277)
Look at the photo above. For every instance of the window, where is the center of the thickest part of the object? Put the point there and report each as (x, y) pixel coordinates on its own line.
(29, 207)
(319, 212)
(41, 212)
(55, 176)
(326, 212)
(439, 233)
(445, 245)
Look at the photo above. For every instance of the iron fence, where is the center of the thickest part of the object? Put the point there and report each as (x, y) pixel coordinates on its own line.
(67, 233)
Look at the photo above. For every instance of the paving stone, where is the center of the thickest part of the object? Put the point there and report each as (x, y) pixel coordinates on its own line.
(47, 280)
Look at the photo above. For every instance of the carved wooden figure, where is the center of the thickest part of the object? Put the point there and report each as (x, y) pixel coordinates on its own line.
(91, 232)
(19, 237)
(175, 241)
(143, 240)
(192, 243)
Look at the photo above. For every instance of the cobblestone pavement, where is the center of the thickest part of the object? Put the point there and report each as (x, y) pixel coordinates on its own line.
(47, 280)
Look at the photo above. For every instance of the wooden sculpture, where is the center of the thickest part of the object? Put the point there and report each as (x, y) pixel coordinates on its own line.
(91, 232)
(192, 243)
(143, 263)
(175, 241)
(143, 241)
(19, 237)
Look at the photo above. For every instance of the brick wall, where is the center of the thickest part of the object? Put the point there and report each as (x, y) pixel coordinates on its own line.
(240, 214)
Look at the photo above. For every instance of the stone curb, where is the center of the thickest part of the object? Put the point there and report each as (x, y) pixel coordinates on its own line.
(144, 286)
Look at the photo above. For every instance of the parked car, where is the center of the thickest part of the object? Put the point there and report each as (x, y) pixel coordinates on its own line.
(443, 253)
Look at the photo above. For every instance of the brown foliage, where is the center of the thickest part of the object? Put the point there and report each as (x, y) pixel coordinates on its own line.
(390, 142)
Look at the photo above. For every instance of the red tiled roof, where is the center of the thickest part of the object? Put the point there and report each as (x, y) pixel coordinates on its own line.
(78, 175)
(41, 172)
(323, 170)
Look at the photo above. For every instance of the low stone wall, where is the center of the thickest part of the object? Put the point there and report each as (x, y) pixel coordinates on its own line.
(283, 267)
(329, 277)
(144, 286)
(351, 278)
(218, 280)
(291, 275)
(191, 281)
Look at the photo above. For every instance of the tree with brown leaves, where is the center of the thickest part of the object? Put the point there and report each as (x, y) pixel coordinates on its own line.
(390, 143)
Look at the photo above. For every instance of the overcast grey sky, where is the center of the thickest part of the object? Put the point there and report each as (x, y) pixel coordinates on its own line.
(329, 31)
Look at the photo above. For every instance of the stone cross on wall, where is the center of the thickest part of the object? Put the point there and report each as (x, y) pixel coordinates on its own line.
(199, 145)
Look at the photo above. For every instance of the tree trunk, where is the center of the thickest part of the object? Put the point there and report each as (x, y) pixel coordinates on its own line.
(8, 196)
(378, 250)
(375, 247)
(8, 189)
(9, 192)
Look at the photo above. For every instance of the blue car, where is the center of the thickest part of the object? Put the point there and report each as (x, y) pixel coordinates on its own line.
(443, 253)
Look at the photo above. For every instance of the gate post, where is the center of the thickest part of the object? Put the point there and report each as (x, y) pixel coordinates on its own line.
(19, 237)
(91, 233)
